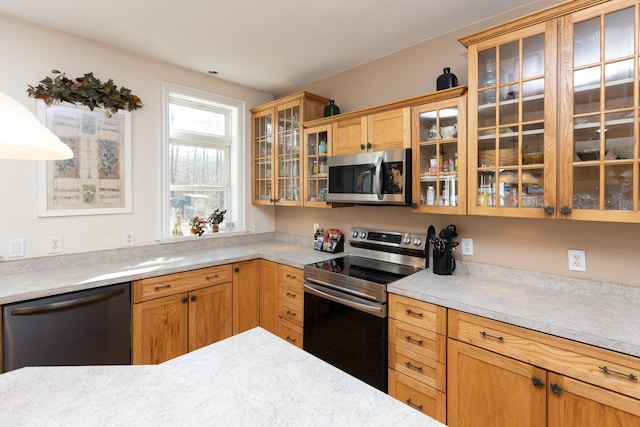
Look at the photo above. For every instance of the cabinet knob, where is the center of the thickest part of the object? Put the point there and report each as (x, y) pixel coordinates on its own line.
(556, 388)
(237, 269)
(537, 382)
(193, 297)
(549, 210)
(565, 210)
(362, 146)
(368, 145)
(185, 300)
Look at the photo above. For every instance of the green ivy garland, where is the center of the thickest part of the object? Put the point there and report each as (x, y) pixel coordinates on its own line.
(88, 91)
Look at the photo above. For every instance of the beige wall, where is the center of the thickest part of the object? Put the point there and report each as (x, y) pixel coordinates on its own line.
(29, 53)
(536, 245)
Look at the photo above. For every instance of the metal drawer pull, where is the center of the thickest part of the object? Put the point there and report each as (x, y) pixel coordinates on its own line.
(168, 285)
(495, 337)
(610, 371)
(291, 313)
(410, 338)
(212, 277)
(410, 403)
(291, 339)
(291, 276)
(413, 313)
(412, 366)
(289, 294)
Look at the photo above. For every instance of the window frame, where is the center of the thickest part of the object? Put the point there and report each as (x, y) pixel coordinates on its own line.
(235, 175)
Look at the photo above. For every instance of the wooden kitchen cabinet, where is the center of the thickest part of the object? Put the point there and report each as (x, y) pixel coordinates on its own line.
(522, 377)
(276, 130)
(439, 154)
(291, 304)
(246, 295)
(418, 355)
(552, 114)
(317, 148)
(385, 130)
(177, 313)
(269, 296)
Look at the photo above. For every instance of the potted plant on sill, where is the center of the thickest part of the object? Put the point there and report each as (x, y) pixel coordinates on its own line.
(216, 218)
(198, 225)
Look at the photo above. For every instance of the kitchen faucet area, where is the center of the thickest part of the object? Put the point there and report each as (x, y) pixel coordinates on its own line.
(336, 214)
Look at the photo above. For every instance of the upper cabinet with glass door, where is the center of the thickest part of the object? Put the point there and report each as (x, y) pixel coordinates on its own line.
(512, 123)
(277, 148)
(599, 171)
(439, 151)
(317, 148)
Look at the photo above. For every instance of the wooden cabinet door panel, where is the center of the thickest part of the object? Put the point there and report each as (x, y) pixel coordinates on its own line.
(290, 332)
(487, 389)
(389, 130)
(160, 329)
(246, 295)
(584, 405)
(417, 395)
(210, 317)
(269, 296)
(348, 135)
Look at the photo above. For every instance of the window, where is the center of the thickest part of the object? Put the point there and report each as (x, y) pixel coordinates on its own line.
(202, 159)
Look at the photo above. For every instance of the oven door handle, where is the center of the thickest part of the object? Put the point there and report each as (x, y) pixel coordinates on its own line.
(377, 310)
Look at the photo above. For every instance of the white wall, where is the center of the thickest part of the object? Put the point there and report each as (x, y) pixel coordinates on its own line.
(29, 53)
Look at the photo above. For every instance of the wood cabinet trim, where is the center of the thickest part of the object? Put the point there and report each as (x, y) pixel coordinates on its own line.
(171, 284)
(529, 20)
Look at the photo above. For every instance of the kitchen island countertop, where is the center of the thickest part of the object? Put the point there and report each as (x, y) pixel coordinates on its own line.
(250, 379)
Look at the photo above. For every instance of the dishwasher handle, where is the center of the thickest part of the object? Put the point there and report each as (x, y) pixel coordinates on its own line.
(378, 310)
(65, 305)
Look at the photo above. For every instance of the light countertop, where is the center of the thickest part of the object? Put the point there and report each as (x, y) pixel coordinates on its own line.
(250, 379)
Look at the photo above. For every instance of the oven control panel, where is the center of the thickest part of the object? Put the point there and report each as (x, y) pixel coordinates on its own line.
(388, 238)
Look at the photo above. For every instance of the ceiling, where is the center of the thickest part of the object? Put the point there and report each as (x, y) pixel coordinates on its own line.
(275, 46)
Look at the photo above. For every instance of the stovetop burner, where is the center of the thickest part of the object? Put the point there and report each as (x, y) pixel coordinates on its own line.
(371, 270)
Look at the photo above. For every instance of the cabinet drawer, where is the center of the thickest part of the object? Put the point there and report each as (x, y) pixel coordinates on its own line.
(604, 368)
(290, 332)
(426, 343)
(421, 397)
(291, 312)
(294, 276)
(419, 367)
(169, 284)
(418, 313)
(292, 292)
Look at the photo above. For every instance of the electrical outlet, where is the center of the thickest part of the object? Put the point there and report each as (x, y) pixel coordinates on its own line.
(315, 227)
(466, 246)
(577, 260)
(15, 248)
(55, 244)
(129, 238)
(255, 228)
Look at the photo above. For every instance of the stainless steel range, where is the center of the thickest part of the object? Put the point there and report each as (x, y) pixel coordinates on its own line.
(345, 301)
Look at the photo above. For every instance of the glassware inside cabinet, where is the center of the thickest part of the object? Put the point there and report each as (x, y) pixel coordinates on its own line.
(438, 157)
(316, 165)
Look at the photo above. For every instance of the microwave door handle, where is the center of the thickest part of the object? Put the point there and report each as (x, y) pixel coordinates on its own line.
(377, 180)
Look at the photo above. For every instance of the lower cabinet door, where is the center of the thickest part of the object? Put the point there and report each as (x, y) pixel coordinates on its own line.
(210, 316)
(160, 329)
(488, 389)
(418, 395)
(574, 403)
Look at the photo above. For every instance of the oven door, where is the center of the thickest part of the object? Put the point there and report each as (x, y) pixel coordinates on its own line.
(347, 332)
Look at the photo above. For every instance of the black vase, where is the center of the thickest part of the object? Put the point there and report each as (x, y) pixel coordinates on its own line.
(331, 109)
(446, 80)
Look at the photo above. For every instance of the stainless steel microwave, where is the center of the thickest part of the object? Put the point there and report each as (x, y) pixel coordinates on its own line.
(373, 178)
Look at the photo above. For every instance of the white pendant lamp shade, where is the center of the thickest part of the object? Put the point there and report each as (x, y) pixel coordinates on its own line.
(22, 136)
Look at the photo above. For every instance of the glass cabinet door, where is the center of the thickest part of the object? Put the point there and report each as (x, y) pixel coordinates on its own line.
(262, 155)
(317, 147)
(512, 125)
(439, 151)
(289, 168)
(599, 156)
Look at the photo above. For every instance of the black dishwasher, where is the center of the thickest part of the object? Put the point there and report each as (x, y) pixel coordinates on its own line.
(90, 327)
